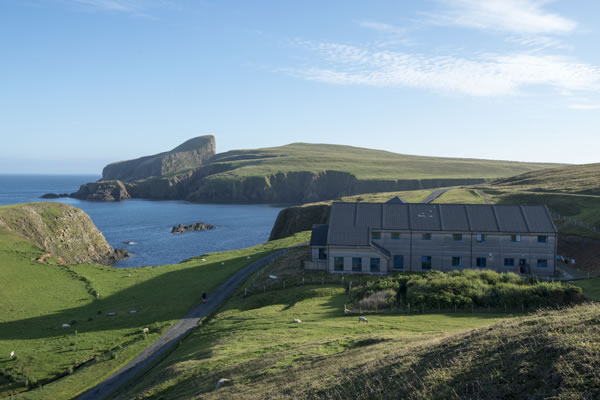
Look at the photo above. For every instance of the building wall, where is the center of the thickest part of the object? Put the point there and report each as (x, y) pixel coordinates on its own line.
(442, 247)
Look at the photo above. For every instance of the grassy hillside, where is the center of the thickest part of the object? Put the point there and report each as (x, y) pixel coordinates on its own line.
(578, 179)
(364, 163)
(38, 298)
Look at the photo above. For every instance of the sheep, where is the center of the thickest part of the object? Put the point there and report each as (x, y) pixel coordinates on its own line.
(362, 319)
(297, 321)
(145, 331)
(222, 382)
(204, 259)
(66, 325)
(12, 354)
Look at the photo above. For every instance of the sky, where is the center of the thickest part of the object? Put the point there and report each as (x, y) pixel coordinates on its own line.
(88, 82)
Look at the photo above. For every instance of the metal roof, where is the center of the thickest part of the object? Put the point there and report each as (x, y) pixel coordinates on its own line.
(350, 223)
(319, 235)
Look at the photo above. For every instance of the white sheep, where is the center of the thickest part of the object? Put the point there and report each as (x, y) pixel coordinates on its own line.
(12, 354)
(66, 325)
(222, 381)
(362, 319)
(297, 321)
(204, 259)
(145, 331)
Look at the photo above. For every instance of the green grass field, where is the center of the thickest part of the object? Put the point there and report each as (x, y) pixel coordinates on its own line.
(255, 342)
(38, 298)
(363, 163)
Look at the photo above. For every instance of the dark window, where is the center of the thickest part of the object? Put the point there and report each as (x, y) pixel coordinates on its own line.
(542, 239)
(395, 235)
(481, 262)
(481, 237)
(356, 264)
(509, 262)
(375, 235)
(515, 238)
(457, 237)
(398, 262)
(338, 263)
(427, 236)
(542, 263)
(426, 262)
(457, 261)
(522, 262)
(375, 264)
(322, 254)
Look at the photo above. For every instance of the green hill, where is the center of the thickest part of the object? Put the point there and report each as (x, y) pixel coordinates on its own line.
(302, 172)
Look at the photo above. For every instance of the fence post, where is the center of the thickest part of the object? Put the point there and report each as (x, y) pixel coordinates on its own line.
(245, 292)
(302, 281)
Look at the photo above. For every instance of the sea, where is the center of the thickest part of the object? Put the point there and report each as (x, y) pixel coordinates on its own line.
(143, 227)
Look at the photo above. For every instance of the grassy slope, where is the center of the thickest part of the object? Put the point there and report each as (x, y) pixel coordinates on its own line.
(363, 163)
(37, 299)
(255, 342)
(411, 196)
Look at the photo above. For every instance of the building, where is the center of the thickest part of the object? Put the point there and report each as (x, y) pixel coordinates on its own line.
(379, 238)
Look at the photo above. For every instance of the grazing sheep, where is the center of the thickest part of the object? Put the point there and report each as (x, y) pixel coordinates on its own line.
(297, 321)
(145, 331)
(222, 381)
(12, 354)
(204, 259)
(222, 263)
(66, 325)
(362, 319)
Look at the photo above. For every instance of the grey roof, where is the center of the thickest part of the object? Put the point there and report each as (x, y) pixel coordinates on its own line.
(350, 223)
(319, 235)
(395, 200)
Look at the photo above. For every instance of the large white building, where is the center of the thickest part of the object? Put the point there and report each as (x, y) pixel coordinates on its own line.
(379, 238)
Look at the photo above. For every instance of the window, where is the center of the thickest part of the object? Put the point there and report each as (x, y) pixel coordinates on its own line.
(375, 264)
(398, 262)
(356, 264)
(322, 254)
(457, 261)
(457, 237)
(427, 236)
(542, 263)
(375, 235)
(481, 262)
(509, 262)
(481, 237)
(515, 238)
(542, 239)
(338, 263)
(522, 262)
(426, 262)
(395, 235)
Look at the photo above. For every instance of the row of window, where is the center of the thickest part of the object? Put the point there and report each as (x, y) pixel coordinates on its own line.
(480, 237)
(398, 263)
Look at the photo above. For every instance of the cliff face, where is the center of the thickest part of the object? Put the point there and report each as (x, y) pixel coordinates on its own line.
(297, 219)
(190, 154)
(60, 229)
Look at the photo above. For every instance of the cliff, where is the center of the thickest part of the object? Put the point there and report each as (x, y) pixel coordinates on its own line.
(297, 219)
(61, 230)
(188, 155)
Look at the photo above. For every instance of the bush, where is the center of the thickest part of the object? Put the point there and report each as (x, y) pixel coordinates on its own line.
(376, 301)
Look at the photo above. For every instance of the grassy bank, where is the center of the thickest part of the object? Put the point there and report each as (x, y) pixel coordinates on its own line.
(38, 299)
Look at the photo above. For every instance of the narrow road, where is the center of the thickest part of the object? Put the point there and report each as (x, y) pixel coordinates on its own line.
(158, 351)
(435, 194)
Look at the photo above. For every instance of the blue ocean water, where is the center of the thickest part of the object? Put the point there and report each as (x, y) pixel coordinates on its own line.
(148, 223)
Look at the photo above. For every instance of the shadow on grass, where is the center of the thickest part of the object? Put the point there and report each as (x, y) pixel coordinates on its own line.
(163, 298)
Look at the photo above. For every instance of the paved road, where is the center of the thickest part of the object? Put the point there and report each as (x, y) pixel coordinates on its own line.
(158, 351)
(435, 194)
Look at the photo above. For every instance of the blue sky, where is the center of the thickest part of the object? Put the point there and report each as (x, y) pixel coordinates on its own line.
(87, 82)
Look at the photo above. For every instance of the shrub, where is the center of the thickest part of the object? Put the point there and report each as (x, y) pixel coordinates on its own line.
(378, 300)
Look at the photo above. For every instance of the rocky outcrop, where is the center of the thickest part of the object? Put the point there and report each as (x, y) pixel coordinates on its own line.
(198, 226)
(54, 195)
(61, 230)
(103, 191)
(188, 155)
(292, 220)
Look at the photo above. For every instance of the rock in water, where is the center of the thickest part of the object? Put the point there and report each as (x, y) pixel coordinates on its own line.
(190, 154)
(198, 226)
(54, 195)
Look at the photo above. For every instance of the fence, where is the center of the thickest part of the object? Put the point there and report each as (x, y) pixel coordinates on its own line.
(571, 220)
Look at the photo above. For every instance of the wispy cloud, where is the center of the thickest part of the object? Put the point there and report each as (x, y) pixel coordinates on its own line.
(482, 75)
(584, 106)
(395, 35)
(513, 16)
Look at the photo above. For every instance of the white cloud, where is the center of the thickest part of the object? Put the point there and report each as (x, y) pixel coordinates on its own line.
(484, 75)
(584, 106)
(514, 16)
